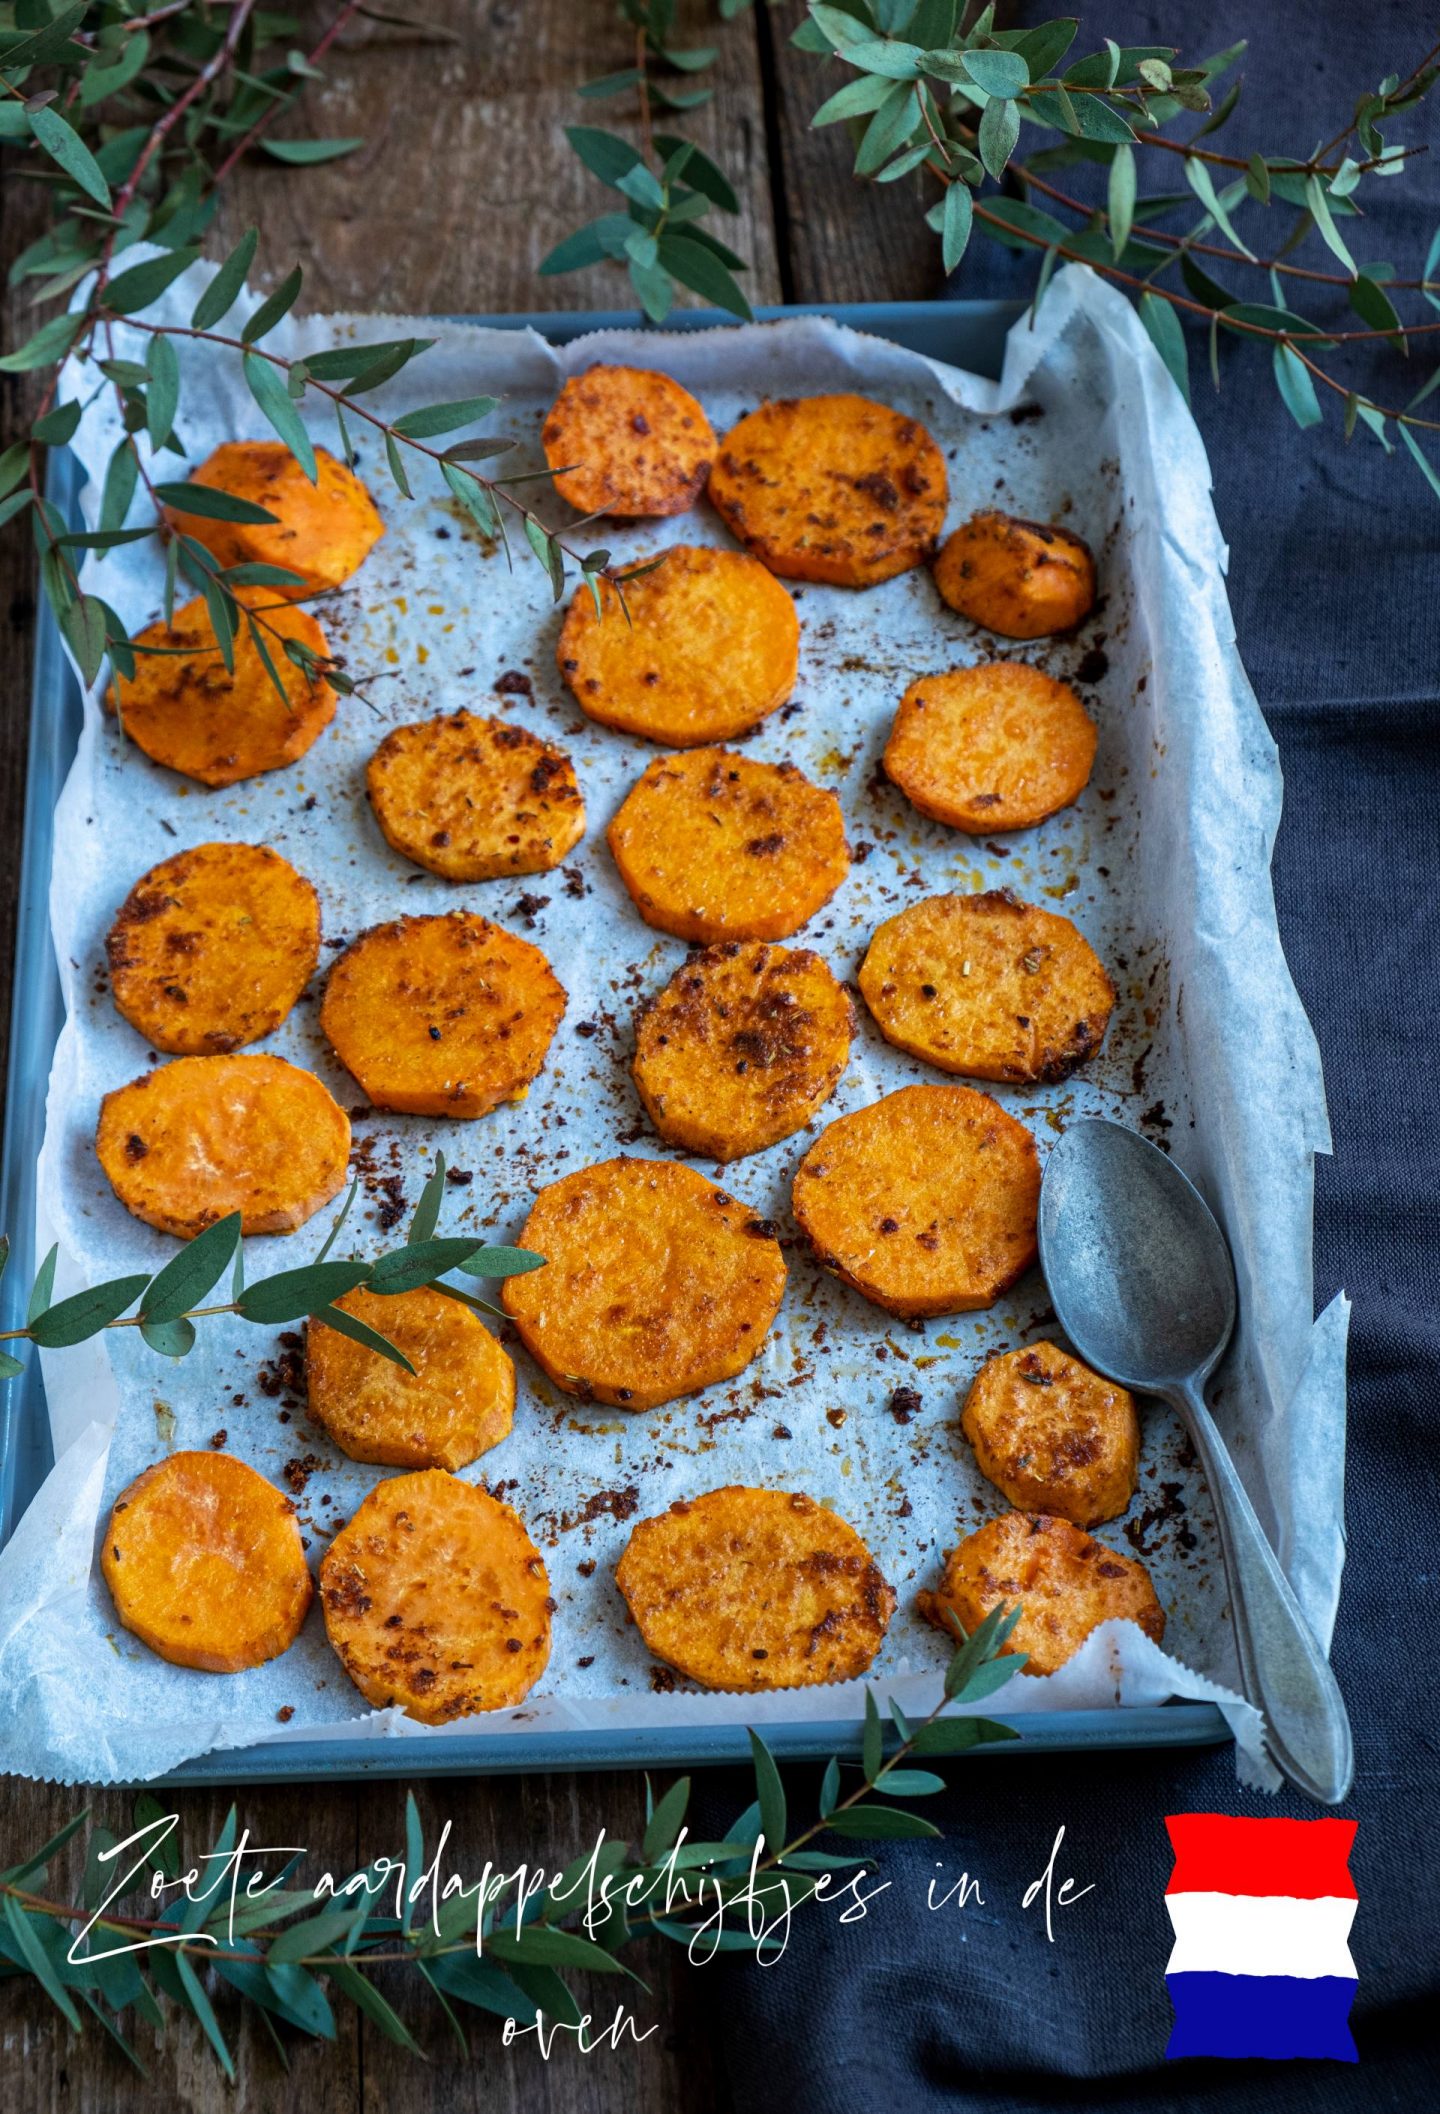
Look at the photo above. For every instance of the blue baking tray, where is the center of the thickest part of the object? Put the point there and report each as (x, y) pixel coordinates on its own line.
(967, 334)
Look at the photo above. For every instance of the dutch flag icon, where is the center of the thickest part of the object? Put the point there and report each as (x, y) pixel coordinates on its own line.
(1262, 1911)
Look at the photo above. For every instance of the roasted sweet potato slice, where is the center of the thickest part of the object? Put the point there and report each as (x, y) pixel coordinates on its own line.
(185, 711)
(436, 1599)
(715, 846)
(201, 1137)
(459, 1404)
(741, 1048)
(991, 748)
(323, 531)
(1052, 1436)
(628, 441)
(1067, 1582)
(925, 1201)
(655, 1284)
(712, 648)
(988, 986)
(1020, 578)
(442, 1016)
(748, 1589)
(204, 1563)
(475, 799)
(832, 488)
(212, 948)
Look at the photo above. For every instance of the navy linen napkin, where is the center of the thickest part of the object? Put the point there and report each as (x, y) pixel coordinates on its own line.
(1335, 586)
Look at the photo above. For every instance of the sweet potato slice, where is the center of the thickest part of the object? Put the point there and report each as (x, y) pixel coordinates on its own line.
(831, 488)
(201, 1137)
(1019, 578)
(655, 1284)
(715, 846)
(991, 748)
(186, 712)
(711, 649)
(750, 1589)
(204, 1563)
(925, 1201)
(211, 949)
(459, 1404)
(628, 441)
(1067, 1582)
(1052, 1435)
(475, 799)
(741, 1048)
(442, 1016)
(436, 1599)
(988, 986)
(323, 531)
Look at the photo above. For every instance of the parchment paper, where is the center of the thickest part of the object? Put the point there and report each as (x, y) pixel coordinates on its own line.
(1163, 864)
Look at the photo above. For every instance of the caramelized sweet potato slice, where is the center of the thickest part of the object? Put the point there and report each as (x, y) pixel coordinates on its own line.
(832, 488)
(991, 748)
(655, 1283)
(201, 1137)
(323, 531)
(204, 1563)
(186, 712)
(459, 1403)
(925, 1202)
(1067, 1582)
(1018, 578)
(1052, 1436)
(715, 846)
(711, 648)
(436, 1599)
(751, 1589)
(628, 441)
(988, 986)
(442, 1016)
(741, 1048)
(475, 799)
(211, 949)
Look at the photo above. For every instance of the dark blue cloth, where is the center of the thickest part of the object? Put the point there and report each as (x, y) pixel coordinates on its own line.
(1335, 586)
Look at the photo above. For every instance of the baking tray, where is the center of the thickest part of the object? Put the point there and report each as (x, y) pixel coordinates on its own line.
(969, 334)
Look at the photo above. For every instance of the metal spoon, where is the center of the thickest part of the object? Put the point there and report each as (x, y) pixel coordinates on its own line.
(1142, 1283)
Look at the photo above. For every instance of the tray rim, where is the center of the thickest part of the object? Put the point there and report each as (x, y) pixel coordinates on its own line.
(964, 332)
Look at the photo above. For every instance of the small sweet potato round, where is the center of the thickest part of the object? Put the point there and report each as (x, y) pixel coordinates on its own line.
(751, 1589)
(1019, 578)
(715, 846)
(323, 531)
(741, 1048)
(711, 649)
(475, 799)
(1067, 1582)
(436, 1599)
(460, 1402)
(186, 712)
(442, 1016)
(925, 1202)
(201, 1137)
(655, 1284)
(831, 488)
(628, 441)
(1052, 1435)
(991, 748)
(988, 986)
(211, 949)
(204, 1563)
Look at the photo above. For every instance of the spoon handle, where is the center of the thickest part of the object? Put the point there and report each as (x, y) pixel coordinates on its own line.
(1283, 1671)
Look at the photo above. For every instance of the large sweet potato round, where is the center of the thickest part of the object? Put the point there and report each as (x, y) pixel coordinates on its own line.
(1020, 578)
(458, 1403)
(1052, 1435)
(475, 799)
(991, 748)
(323, 531)
(628, 441)
(1067, 1583)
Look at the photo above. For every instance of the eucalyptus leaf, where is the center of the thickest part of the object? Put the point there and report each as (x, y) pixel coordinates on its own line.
(194, 1271)
(212, 505)
(85, 1313)
(292, 1294)
(227, 285)
(270, 393)
(769, 1792)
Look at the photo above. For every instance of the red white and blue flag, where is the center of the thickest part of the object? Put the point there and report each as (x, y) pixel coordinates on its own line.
(1262, 1911)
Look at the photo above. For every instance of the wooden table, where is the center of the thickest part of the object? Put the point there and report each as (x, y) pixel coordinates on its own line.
(463, 184)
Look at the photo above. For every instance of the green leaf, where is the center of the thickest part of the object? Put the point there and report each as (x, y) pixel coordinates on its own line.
(473, 496)
(840, 28)
(889, 129)
(444, 418)
(172, 1339)
(121, 473)
(1121, 198)
(64, 145)
(1374, 306)
(1002, 74)
(57, 428)
(314, 1935)
(913, 1783)
(588, 245)
(1427, 468)
(361, 1332)
(33, 1953)
(1197, 175)
(200, 2004)
(273, 308)
(873, 1742)
(959, 1735)
(407, 1268)
(956, 224)
(699, 269)
(188, 1276)
(701, 173)
(43, 1286)
(426, 1215)
(210, 504)
(870, 1823)
(1317, 199)
(603, 153)
(999, 130)
(501, 1262)
(303, 153)
(1285, 319)
(162, 399)
(144, 283)
(341, 362)
(896, 62)
(47, 44)
(856, 99)
(1163, 327)
(9, 1366)
(38, 1860)
(654, 289)
(395, 462)
(538, 1945)
(85, 1313)
(830, 1787)
(769, 1792)
(227, 285)
(665, 1822)
(51, 342)
(270, 393)
(83, 624)
(1202, 286)
(1043, 47)
(291, 1294)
